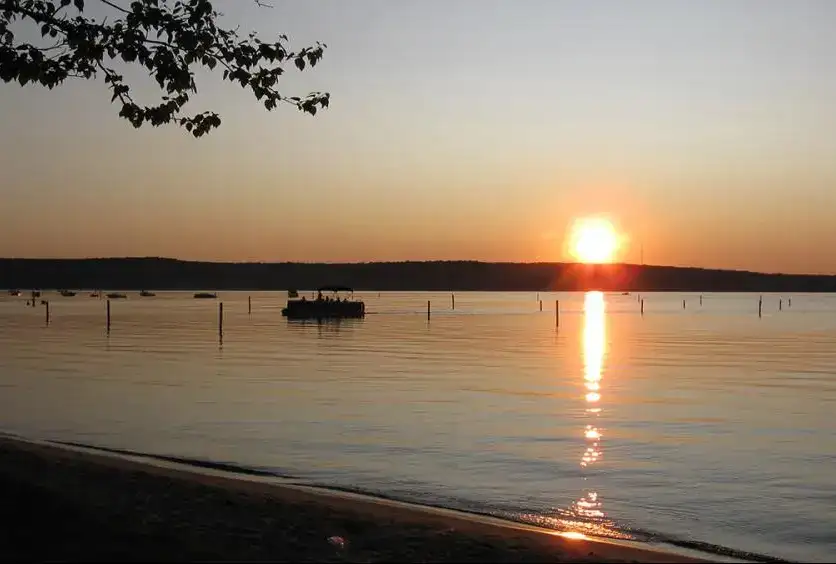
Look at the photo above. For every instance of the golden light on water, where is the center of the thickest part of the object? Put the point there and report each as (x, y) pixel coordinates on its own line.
(594, 342)
(573, 535)
(586, 517)
(594, 351)
(587, 512)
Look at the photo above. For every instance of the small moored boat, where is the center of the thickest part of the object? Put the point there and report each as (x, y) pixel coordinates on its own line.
(67, 293)
(206, 295)
(14, 292)
(117, 296)
(147, 294)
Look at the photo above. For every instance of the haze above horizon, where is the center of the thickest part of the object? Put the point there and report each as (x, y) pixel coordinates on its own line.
(474, 129)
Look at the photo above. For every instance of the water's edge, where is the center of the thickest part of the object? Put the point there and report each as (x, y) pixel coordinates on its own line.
(652, 541)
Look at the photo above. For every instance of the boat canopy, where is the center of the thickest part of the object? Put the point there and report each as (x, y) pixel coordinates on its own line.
(335, 289)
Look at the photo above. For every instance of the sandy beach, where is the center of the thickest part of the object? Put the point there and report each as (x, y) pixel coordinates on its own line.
(61, 503)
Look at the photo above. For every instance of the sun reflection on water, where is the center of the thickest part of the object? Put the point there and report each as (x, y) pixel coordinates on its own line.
(586, 515)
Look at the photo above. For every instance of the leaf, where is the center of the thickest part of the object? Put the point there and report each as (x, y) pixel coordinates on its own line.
(44, 30)
(300, 63)
(79, 4)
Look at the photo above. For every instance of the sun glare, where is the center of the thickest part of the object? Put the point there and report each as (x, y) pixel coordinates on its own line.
(593, 240)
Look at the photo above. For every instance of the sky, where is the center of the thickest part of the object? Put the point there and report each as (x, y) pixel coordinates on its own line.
(464, 129)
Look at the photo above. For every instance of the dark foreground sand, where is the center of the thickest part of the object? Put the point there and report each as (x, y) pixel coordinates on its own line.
(58, 504)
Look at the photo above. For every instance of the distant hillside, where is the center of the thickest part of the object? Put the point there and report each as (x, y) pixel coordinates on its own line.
(171, 274)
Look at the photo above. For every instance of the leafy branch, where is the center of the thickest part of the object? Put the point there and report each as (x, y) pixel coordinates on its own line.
(167, 39)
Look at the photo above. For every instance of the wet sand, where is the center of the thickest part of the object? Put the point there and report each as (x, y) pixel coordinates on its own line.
(63, 504)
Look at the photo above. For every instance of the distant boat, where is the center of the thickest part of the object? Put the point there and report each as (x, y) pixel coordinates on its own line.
(147, 294)
(116, 296)
(206, 295)
(36, 293)
(95, 294)
(67, 293)
(14, 292)
(292, 294)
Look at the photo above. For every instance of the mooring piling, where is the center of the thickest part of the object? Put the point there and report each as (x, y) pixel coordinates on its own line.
(541, 305)
(249, 305)
(780, 304)
(642, 306)
(760, 306)
(452, 301)
(221, 321)
(557, 313)
(108, 316)
(428, 310)
(46, 306)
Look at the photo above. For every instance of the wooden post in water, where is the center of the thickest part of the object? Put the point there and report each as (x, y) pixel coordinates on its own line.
(428, 310)
(683, 304)
(108, 316)
(700, 300)
(46, 304)
(541, 305)
(760, 306)
(221, 321)
(538, 296)
(642, 306)
(557, 313)
(249, 305)
(789, 302)
(780, 304)
(453, 301)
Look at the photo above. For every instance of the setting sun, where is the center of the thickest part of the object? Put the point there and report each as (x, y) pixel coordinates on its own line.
(593, 240)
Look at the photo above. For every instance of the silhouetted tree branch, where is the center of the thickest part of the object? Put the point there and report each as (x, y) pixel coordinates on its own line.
(168, 39)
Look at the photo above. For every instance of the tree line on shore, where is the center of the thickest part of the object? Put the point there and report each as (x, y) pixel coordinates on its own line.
(172, 274)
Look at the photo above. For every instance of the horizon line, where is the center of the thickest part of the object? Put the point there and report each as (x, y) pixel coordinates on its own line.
(409, 261)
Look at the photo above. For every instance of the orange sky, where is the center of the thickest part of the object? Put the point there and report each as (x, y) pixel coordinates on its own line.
(705, 133)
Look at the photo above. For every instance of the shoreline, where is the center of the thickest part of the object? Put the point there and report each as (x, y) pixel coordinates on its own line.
(362, 527)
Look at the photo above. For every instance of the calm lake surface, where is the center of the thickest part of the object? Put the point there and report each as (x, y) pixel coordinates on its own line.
(704, 424)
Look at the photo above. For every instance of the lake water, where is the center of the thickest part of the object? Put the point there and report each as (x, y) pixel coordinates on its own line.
(705, 424)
